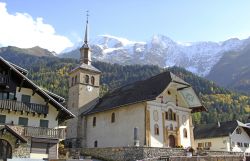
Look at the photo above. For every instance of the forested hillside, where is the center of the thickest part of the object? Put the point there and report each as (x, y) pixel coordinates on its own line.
(51, 73)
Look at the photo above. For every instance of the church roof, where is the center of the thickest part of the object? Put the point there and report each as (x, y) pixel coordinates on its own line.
(136, 92)
(86, 67)
(213, 130)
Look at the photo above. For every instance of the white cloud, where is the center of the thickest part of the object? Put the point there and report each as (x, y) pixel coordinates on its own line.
(23, 31)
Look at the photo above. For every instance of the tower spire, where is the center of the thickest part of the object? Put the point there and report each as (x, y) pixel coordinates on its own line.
(86, 30)
(84, 50)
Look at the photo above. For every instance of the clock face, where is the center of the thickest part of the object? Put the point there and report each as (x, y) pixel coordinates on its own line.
(89, 88)
(190, 97)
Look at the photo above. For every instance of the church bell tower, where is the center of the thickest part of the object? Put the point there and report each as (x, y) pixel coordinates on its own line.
(84, 82)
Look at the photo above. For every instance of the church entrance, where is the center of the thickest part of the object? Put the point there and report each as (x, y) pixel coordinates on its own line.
(171, 140)
(5, 150)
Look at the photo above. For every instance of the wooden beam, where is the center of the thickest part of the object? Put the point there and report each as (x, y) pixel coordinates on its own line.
(34, 92)
(21, 85)
(47, 102)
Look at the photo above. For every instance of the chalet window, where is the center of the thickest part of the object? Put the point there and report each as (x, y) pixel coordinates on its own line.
(2, 119)
(75, 79)
(11, 96)
(23, 121)
(185, 133)
(3, 95)
(156, 128)
(238, 131)
(246, 145)
(95, 144)
(86, 79)
(112, 117)
(239, 144)
(44, 123)
(26, 98)
(92, 80)
(94, 121)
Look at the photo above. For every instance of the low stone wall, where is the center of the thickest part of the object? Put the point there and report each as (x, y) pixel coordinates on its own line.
(207, 158)
(152, 154)
(130, 153)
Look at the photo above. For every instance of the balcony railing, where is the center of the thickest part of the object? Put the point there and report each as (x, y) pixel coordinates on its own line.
(39, 132)
(44, 132)
(14, 105)
(4, 79)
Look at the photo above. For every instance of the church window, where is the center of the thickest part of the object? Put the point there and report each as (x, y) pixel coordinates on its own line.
(94, 121)
(87, 79)
(72, 81)
(92, 80)
(95, 144)
(112, 117)
(174, 116)
(166, 115)
(156, 128)
(185, 133)
(75, 79)
(170, 114)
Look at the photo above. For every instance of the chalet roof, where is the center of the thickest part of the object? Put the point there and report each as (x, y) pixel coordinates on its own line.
(86, 67)
(136, 92)
(213, 130)
(64, 113)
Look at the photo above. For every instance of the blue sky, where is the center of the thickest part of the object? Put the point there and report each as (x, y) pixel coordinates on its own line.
(139, 20)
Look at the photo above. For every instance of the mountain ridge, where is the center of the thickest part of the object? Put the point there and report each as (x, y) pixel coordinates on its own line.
(197, 57)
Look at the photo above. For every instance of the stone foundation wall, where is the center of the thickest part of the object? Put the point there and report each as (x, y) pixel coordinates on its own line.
(152, 154)
(130, 153)
(207, 158)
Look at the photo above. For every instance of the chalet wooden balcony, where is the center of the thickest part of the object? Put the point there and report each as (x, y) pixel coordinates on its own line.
(13, 105)
(39, 132)
(42, 132)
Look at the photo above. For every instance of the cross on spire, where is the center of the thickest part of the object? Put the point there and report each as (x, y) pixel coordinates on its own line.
(87, 15)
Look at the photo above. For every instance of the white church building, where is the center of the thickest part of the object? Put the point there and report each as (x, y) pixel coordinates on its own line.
(155, 112)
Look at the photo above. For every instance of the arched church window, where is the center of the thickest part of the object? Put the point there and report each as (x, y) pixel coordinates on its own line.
(86, 79)
(156, 128)
(94, 121)
(72, 81)
(95, 144)
(185, 133)
(170, 114)
(92, 80)
(112, 117)
(75, 79)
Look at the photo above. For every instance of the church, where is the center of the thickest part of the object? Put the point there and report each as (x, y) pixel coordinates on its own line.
(155, 112)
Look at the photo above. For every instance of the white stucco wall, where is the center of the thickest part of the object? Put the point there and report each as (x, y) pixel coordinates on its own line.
(241, 138)
(224, 143)
(217, 144)
(119, 133)
(32, 120)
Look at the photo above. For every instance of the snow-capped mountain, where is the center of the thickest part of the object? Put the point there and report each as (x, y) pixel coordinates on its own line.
(197, 57)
